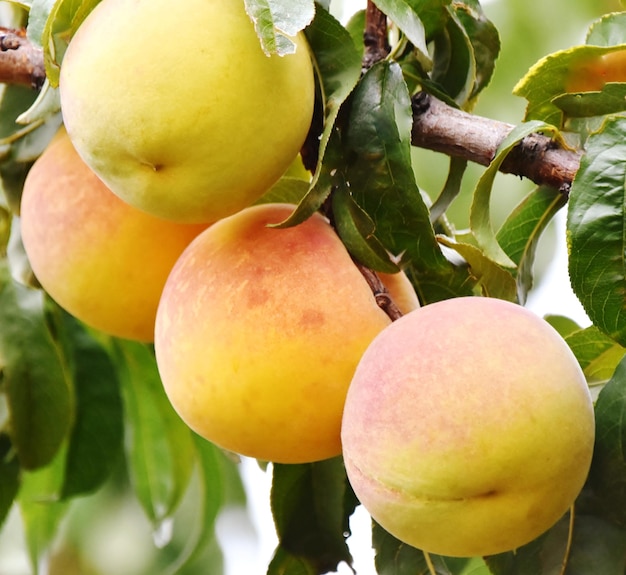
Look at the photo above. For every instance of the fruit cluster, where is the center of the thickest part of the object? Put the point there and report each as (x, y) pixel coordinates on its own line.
(466, 426)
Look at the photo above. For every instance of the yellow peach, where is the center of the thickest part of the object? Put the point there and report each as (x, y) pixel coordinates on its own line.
(259, 331)
(102, 260)
(468, 427)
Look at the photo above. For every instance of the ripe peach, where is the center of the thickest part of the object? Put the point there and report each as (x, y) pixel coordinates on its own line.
(468, 427)
(259, 331)
(593, 75)
(102, 260)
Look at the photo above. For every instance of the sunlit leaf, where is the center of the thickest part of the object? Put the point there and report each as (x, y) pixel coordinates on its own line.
(567, 71)
(610, 100)
(596, 227)
(610, 30)
(311, 506)
(161, 452)
(278, 21)
(494, 281)
(41, 509)
(51, 25)
(480, 211)
(597, 354)
(35, 378)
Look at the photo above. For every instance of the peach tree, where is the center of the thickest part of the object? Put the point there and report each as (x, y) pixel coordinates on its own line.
(82, 412)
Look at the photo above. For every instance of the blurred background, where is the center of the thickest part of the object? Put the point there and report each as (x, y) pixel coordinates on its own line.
(107, 534)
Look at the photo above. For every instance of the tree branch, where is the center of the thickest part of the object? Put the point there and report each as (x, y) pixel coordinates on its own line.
(375, 36)
(20, 61)
(442, 128)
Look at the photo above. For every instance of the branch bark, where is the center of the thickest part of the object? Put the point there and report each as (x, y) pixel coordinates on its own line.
(20, 61)
(442, 128)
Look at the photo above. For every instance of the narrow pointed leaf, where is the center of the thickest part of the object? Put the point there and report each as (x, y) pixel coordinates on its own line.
(216, 485)
(480, 211)
(520, 233)
(41, 509)
(35, 378)
(161, 451)
(596, 227)
(278, 21)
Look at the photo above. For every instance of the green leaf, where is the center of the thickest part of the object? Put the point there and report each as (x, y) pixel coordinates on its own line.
(412, 16)
(286, 190)
(610, 100)
(9, 476)
(451, 189)
(480, 211)
(610, 30)
(218, 484)
(393, 557)
(41, 509)
(597, 354)
(520, 233)
(311, 505)
(278, 21)
(566, 71)
(35, 378)
(96, 438)
(380, 174)
(596, 229)
(161, 452)
(357, 232)
(566, 326)
(338, 64)
(407, 16)
(608, 470)
(485, 41)
(596, 547)
(454, 66)
(493, 280)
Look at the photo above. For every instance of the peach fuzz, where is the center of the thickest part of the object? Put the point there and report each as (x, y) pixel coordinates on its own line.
(102, 260)
(259, 331)
(468, 428)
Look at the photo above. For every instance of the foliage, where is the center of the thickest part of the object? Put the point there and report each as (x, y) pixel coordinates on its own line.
(80, 412)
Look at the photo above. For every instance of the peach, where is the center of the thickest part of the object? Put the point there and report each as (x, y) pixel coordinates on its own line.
(102, 260)
(259, 331)
(468, 427)
(594, 74)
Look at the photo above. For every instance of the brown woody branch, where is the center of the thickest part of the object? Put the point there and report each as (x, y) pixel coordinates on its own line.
(20, 61)
(442, 128)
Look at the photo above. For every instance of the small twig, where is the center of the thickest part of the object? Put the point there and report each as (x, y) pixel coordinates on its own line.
(570, 539)
(21, 62)
(429, 564)
(381, 294)
(375, 36)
